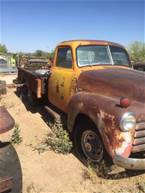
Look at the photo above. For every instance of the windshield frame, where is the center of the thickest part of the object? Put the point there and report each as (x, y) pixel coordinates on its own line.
(109, 54)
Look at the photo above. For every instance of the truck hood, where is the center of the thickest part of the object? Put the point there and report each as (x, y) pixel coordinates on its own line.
(114, 82)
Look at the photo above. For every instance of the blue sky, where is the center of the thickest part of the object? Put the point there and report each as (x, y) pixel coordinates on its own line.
(41, 24)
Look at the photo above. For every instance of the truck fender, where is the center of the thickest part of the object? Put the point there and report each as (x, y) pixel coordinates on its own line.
(105, 113)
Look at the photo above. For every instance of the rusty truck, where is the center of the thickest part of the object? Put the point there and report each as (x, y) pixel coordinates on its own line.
(94, 84)
(10, 169)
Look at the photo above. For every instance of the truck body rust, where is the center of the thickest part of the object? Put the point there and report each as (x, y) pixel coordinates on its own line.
(90, 83)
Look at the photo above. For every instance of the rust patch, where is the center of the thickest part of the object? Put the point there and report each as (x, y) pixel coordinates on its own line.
(114, 82)
(120, 142)
(57, 87)
(112, 130)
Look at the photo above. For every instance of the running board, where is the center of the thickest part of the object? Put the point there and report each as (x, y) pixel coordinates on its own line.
(53, 113)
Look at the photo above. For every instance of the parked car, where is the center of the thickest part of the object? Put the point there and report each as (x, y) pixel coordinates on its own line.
(10, 169)
(5, 67)
(93, 83)
(139, 66)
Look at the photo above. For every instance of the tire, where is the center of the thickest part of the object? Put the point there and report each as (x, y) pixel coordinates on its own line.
(100, 159)
(25, 95)
(22, 91)
(87, 143)
(10, 166)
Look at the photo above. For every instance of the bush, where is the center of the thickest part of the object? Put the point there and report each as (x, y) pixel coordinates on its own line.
(57, 141)
(16, 138)
(137, 51)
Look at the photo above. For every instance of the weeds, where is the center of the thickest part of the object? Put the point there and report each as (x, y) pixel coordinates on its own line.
(57, 141)
(141, 187)
(90, 174)
(16, 138)
(31, 189)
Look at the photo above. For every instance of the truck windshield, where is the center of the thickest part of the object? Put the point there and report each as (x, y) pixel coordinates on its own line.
(101, 55)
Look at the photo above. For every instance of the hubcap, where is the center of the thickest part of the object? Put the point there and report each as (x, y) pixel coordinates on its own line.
(92, 146)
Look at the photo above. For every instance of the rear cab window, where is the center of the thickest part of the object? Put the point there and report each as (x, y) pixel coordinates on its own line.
(64, 57)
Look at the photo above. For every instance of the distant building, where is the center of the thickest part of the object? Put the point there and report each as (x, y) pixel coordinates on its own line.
(7, 63)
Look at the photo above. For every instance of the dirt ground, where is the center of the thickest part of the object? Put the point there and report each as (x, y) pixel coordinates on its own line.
(8, 77)
(51, 172)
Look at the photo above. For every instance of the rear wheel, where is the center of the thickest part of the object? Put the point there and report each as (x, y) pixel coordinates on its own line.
(24, 93)
(10, 166)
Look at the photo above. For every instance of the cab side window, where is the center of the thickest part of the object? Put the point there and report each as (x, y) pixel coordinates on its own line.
(64, 57)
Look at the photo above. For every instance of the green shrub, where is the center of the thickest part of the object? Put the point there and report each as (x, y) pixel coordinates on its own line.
(16, 138)
(57, 141)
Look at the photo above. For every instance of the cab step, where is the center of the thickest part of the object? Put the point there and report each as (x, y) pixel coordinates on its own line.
(53, 113)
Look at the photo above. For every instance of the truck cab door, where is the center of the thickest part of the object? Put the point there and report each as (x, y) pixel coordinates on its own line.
(61, 82)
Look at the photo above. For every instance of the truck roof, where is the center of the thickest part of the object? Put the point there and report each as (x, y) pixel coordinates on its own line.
(88, 42)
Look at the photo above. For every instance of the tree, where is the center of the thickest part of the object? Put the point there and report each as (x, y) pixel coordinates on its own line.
(40, 53)
(3, 48)
(137, 51)
(51, 54)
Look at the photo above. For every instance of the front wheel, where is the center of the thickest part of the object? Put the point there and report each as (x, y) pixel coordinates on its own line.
(10, 167)
(89, 148)
(88, 144)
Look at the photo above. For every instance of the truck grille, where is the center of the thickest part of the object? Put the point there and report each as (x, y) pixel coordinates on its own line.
(139, 138)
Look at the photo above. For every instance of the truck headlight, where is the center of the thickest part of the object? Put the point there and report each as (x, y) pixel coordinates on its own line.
(128, 122)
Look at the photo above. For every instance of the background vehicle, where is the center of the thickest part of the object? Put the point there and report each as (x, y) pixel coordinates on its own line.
(104, 99)
(139, 66)
(10, 169)
(7, 65)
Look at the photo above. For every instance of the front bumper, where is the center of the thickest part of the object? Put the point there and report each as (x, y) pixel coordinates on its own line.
(129, 163)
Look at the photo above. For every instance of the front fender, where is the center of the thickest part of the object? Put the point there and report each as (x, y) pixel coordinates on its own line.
(105, 112)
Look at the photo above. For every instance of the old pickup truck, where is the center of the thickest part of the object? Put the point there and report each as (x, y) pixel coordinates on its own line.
(10, 169)
(93, 83)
